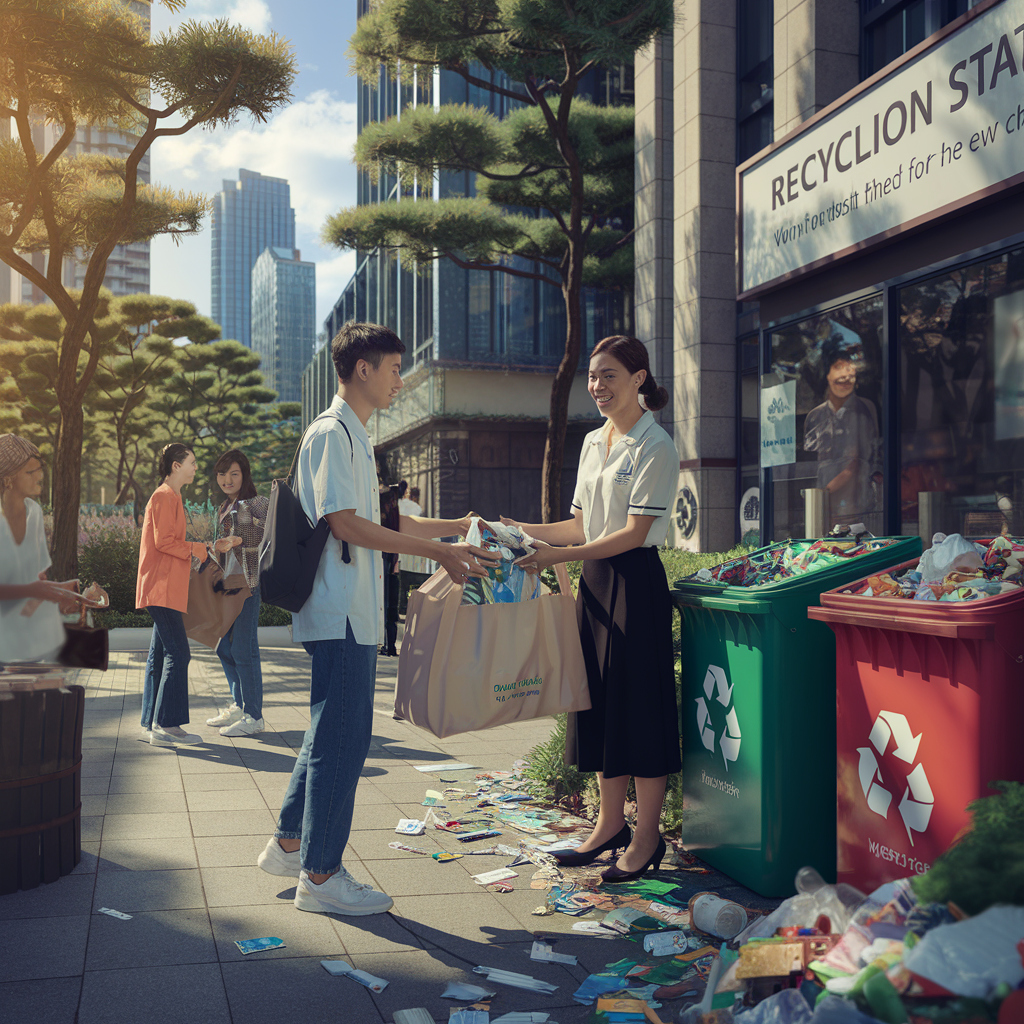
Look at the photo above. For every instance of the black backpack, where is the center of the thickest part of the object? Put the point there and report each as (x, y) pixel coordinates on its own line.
(292, 546)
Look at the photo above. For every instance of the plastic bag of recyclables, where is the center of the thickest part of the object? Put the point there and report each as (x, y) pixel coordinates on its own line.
(493, 651)
(896, 961)
(506, 583)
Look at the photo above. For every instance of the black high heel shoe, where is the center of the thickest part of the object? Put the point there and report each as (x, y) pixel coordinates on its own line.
(573, 859)
(616, 874)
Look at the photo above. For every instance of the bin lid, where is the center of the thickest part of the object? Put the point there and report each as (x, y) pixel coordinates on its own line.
(758, 598)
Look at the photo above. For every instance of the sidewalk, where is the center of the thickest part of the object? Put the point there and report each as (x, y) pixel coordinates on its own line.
(171, 837)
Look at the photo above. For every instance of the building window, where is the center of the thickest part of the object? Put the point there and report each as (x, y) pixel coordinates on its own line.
(826, 378)
(891, 27)
(755, 43)
(961, 348)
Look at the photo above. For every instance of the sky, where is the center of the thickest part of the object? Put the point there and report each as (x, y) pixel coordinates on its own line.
(309, 142)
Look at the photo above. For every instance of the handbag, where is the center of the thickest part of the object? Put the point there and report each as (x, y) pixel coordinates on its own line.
(214, 602)
(465, 667)
(85, 646)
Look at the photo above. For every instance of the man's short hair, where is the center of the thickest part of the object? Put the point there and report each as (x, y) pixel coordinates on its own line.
(357, 340)
(414, 494)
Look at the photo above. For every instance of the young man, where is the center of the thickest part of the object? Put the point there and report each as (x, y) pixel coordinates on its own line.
(342, 623)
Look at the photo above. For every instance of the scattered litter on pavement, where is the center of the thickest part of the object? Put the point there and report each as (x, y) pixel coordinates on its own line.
(498, 875)
(469, 1017)
(448, 766)
(462, 990)
(411, 827)
(543, 953)
(418, 1015)
(433, 799)
(342, 968)
(666, 943)
(522, 1017)
(515, 980)
(594, 929)
(409, 849)
(114, 913)
(444, 856)
(472, 837)
(247, 946)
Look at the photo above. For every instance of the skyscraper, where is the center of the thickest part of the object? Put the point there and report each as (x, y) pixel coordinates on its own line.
(248, 215)
(283, 318)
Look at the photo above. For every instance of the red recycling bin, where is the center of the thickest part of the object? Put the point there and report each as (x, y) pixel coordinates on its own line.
(929, 711)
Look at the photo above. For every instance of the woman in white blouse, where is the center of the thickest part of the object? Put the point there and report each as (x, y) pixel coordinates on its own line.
(625, 491)
(31, 628)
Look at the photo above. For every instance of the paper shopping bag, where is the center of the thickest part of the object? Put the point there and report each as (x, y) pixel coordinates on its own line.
(214, 602)
(465, 667)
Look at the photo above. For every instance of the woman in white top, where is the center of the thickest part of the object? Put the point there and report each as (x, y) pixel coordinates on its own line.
(31, 628)
(625, 490)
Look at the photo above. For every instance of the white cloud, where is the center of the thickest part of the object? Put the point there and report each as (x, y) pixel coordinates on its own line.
(309, 143)
(251, 14)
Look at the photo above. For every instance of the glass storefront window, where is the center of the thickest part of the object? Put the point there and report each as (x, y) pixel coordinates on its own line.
(961, 345)
(821, 416)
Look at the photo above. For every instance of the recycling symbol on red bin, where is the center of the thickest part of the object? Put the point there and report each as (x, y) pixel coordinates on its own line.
(715, 682)
(916, 804)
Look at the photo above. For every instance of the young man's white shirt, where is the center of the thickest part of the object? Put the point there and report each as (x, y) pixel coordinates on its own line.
(333, 474)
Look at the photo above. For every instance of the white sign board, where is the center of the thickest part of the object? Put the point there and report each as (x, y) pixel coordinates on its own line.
(778, 424)
(944, 129)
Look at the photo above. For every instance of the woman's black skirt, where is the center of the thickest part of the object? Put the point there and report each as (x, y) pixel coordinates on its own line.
(624, 613)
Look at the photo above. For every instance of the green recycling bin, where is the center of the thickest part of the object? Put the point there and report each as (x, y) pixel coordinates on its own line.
(758, 707)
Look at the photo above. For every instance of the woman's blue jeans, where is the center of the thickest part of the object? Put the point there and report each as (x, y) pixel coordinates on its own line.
(321, 793)
(239, 653)
(165, 692)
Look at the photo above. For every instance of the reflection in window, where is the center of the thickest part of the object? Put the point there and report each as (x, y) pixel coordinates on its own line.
(832, 364)
(962, 363)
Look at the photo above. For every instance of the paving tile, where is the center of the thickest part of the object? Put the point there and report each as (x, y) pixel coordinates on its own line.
(156, 995)
(195, 761)
(150, 939)
(303, 934)
(43, 947)
(136, 891)
(95, 785)
(96, 767)
(201, 782)
(264, 992)
(89, 860)
(230, 851)
(228, 886)
(68, 896)
(147, 855)
(252, 822)
(227, 800)
(375, 933)
(467, 925)
(375, 816)
(92, 828)
(147, 826)
(372, 844)
(168, 783)
(93, 804)
(53, 1001)
(147, 803)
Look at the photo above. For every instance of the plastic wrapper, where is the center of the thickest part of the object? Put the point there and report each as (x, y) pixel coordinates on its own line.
(785, 1007)
(506, 582)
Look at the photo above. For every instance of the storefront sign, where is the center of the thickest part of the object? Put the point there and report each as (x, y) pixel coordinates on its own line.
(778, 424)
(942, 130)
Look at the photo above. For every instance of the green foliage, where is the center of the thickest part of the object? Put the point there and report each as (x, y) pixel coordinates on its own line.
(987, 865)
(560, 782)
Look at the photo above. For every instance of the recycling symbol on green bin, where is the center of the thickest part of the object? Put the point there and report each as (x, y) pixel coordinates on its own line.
(716, 683)
(916, 805)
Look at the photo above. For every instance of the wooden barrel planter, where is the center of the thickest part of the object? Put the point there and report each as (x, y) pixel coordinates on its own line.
(40, 786)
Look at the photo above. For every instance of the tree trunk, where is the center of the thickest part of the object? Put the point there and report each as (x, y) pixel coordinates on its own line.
(561, 388)
(67, 488)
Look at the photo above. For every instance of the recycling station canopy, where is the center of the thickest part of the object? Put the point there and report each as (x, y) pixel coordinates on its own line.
(929, 706)
(758, 720)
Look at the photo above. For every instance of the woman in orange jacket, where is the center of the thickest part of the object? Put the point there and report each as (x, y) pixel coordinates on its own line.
(165, 563)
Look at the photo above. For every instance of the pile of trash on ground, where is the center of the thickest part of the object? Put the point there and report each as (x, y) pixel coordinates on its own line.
(953, 569)
(941, 948)
(794, 558)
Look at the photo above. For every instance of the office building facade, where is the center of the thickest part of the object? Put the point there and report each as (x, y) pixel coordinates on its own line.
(283, 318)
(249, 215)
(842, 345)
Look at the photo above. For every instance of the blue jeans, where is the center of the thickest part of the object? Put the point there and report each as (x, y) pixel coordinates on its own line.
(165, 692)
(321, 793)
(239, 653)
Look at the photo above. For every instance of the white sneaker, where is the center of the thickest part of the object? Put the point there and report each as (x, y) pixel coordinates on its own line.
(146, 736)
(226, 716)
(160, 737)
(275, 861)
(245, 726)
(340, 894)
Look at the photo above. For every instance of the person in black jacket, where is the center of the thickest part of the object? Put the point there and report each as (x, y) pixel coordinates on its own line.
(389, 518)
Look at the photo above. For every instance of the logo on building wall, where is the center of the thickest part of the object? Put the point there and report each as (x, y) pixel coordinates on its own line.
(915, 807)
(686, 513)
(716, 684)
